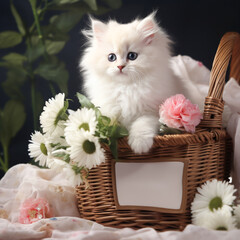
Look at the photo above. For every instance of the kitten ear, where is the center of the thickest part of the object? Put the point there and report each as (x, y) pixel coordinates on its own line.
(148, 28)
(98, 28)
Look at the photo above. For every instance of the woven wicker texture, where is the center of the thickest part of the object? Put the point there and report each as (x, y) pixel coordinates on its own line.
(208, 152)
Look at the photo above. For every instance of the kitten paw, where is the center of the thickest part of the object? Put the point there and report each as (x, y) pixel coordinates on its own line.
(141, 134)
(140, 144)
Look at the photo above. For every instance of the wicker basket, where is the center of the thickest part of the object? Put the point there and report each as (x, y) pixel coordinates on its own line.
(206, 155)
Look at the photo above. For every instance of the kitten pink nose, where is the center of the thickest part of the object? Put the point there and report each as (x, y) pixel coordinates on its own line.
(121, 67)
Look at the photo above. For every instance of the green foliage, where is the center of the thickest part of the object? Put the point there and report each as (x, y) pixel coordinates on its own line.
(12, 118)
(10, 39)
(165, 130)
(108, 131)
(42, 42)
(84, 101)
(18, 19)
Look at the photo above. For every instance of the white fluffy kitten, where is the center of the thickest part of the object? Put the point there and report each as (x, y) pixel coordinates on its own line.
(127, 73)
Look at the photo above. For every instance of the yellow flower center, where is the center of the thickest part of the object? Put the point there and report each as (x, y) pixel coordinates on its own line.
(89, 147)
(221, 228)
(84, 126)
(215, 203)
(43, 148)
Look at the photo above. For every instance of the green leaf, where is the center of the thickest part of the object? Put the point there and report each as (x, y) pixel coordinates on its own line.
(35, 49)
(92, 4)
(113, 3)
(114, 148)
(101, 10)
(97, 112)
(66, 21)
(118, 131)
(62, 79)
(15, 58)
(12, 119)
(10, 39)
(165, 130)
(50, 32)
(54, 47)
(104, 120)
(33, 3)
(18, 20)
(2, 164)
(54, 71)
(84, 101)
(78, 6)
(12, 86)
(64, 1)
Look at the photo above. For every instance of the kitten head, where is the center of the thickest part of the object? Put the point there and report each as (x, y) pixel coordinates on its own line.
(125, 52)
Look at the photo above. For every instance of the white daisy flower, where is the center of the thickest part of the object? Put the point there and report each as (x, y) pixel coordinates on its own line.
(82, 119)
(73, 177)
(57, 141)
(39, 148)
(51, 118)
(85, 151)
(213, 195)
(219, 221)
(237, 215)
(200, 218)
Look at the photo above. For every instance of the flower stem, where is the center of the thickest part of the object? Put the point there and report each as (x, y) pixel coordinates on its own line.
(37, 24)
(36, 19)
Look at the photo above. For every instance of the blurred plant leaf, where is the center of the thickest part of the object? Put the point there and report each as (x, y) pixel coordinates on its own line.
(92, 4)
(33, 3)
(76, 6)
(54, 47)
(10, 39)
(54, 70)
(50, 32)
(113, 3)
(16, 75)
(35, 49)
(101, 10)
(12, 86)
(15, 58)
(66, 21)
(64, 1)
(12, 119)
(18, 19)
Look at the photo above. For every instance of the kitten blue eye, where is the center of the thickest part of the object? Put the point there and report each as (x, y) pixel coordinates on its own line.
(112, 57)
(132, 56)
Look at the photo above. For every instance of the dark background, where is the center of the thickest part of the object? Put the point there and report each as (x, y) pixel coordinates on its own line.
(195, 27)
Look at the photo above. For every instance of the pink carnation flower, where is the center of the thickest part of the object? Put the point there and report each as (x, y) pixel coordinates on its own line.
(33, 210)
(178, 112)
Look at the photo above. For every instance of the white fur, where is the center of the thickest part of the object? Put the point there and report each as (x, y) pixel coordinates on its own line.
(133, 95)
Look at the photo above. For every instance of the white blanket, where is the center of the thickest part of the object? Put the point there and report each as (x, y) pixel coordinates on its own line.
(25, 180)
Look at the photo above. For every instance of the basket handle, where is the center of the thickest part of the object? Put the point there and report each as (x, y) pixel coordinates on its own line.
(214, 105)
(235, 62)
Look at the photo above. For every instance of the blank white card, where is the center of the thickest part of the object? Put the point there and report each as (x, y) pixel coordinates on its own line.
(150, 184)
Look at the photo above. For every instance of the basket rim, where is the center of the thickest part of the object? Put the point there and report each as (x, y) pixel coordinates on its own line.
(200, 136)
